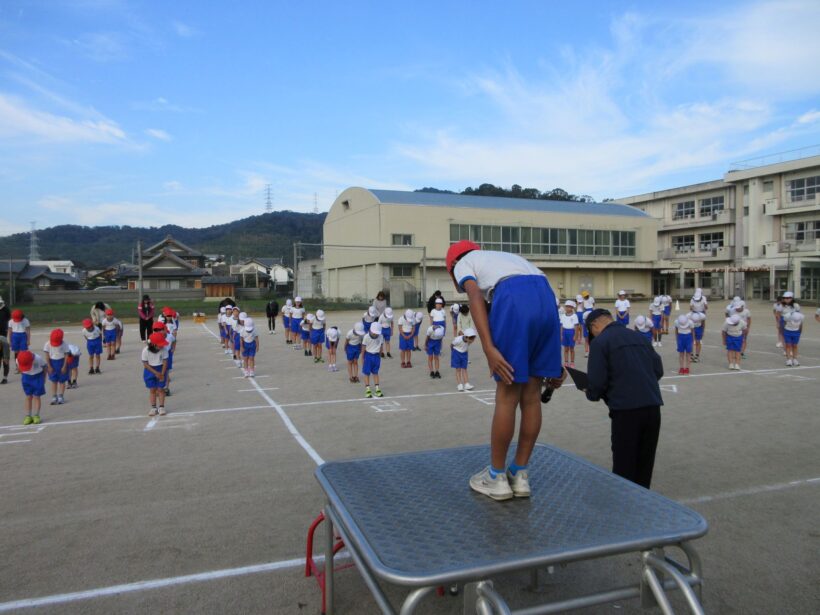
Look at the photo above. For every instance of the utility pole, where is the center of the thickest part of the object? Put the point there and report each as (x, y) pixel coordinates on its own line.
(11, 282)
(268, 200)
(139, 261)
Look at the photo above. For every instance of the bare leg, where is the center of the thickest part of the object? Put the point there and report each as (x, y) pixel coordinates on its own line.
(530, 420)
(507, 397)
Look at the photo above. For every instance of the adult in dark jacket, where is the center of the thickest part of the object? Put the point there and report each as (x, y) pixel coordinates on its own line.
(624, 371)
(5, 353)
(431, 302)
(272, 311)
(145, 310)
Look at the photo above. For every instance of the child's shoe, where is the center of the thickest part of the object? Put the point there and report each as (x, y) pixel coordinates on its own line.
(253, 374)
(409, 365)
(167, 392)
(378, 393)
(53, 401)
(432, 375)
(91, 371)
(153, 412)
(245, 373)
(98, 371)
(438, 375)
(389, 356)
(60, 400)
(403, 364)
(468, 386)
(460, 387)
(795, 362)
(779, 345)
(36, 419)
(788, 362)
(28, 420)
(162, 411)
(4, 381)
(497, 488)
(681, 372)
(572, 365)
(368, 393)
(660, 345)
(519, 483)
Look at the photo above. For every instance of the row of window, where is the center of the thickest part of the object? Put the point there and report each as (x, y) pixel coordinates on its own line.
(803, 189)
(707, 242)
(708, 207)
(553, 241)
(803, 231)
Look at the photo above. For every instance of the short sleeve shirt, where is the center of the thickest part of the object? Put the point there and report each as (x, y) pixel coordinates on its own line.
(37, 366)
(569, 321)
(460, 344)
(622, 305)
(93, 334)
(487, 268)
(373, 345)
(56, 353)
(734, 330)
(110, 325)
(154, 359)
(19, 327)
(353, 338)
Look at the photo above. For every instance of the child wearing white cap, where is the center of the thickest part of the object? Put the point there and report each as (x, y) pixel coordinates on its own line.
(286, 320)
(454, 310)
(432, 345)
(684, 332)
(666, 302)
(792, 329)
(644, 326)
(738, 306)
(570, 332)
(297, 313)
(236, 335)
(459, 359)
(698, 302)
(407, 327)
(622, 308)
(733, 339)
(250, 346)
(370, 316)
(304, 333)
(353, 349)
(656, 311)
(220, 322)
(372, 359)
(697, 330)
(386, 323)
(416, 329)
(588, 304)
(438, 317)
(331, 343)
(317, 335)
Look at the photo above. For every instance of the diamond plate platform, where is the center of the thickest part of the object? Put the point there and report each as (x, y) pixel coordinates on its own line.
(416, 522)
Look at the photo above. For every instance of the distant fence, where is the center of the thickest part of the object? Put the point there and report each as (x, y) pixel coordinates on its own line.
(43, 297)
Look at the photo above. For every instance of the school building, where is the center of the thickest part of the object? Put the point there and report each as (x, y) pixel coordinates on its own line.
(754, 233)
(395, 240)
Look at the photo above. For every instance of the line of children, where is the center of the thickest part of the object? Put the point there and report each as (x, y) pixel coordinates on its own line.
(459, 358)
(432, 345)
(570, 332)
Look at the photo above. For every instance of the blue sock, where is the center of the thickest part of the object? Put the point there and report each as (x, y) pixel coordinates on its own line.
(494, 473)
(514, 468)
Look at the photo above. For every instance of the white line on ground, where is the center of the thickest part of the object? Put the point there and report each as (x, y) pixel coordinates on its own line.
(779, 354)
(347, 401)
(265, 389)
(14, 442)
(744, 372)
(242, 377)
(151, 424)
(299, 562)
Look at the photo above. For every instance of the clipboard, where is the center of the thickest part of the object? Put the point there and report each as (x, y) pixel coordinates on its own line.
(580, 378)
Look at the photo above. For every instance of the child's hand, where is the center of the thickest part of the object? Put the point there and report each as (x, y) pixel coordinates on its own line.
(499, 366)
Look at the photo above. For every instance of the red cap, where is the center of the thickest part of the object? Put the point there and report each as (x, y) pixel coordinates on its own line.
(17, 315)
(109, 312)
(87, 323)
(25, 360)
(56, 337)
(459, 249)
(168, 311)
(158, 326)
(158, 340)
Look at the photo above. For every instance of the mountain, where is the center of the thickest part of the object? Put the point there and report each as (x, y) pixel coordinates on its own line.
(266, 235)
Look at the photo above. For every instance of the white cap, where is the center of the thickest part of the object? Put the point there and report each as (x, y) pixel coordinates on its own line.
(698, 295)
(579, 298)
(734, 319)
(375, 328)
(372, 311)
(640, 320)
(570, 303)
(298, 300)
(683, 320)
(320, 315)
(332, 334)
(310, 318)
(243, 315)
(249, 324)
(621, 292)
(419, 317)
(289, 303)
(222, 310)
(358, 328)
(469, 332)
(388, 312)
(656, 301)
(788, 294)
(72, 349)
(435, 333)
(409, 315)
(696, 317)
(455, 307)
(737, 299)
(439, 300)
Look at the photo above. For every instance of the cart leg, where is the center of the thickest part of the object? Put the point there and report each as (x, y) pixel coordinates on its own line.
(328, 577)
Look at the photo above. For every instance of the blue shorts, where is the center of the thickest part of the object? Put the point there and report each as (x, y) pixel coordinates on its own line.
(416, 329)
(387, 333)
(699, 333)
(109, 336)
(405, 343)
(248, 348)
(667, 309)
(151, 381)
(734, 343)
(74, 362)
(222, 332)
(94, 347)
(458, 360)
(647, 334)
(317, 336)
(295, 325)
(684, 342)
(622, 318)
(18, 341)
(525, 327)
(433, 348)
(57, 374)
(286, 321)
(353, 352)
(791, 337)
(304, 335)
(372, 363)
(568, 338)
(170, 365)
(582, 318)
(34, 386)
(237, 341)
(656, 321)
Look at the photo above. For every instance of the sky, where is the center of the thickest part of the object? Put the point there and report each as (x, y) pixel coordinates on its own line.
(151, 113)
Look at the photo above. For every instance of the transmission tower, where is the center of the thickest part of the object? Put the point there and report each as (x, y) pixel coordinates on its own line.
(268, 199)
(33, 246)
(315, 203)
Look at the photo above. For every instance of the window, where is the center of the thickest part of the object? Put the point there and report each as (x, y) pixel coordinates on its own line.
(745, 250)
(683, 210)
(623, 243)
(711, 206)
(401, 271)
(345, 205)
(803, 232)
(746, 211)
(683, 243)
(803, 189)
(402, 240)
(710, 241)
(768, 186)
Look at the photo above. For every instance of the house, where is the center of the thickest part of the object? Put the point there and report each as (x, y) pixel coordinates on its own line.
(165, 270)
(263, 272)
(220, 285)
(42, 278)
(57, 266)
(110, 275)
(176, 248)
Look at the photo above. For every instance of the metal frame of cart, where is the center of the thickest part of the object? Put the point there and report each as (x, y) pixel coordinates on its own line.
(423, 534)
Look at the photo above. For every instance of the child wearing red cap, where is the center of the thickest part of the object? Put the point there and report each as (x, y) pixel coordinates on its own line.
(155, 364)
(33, 379)
(521, 338)
(57, 365)
(93, 344)
(112, 331)
(20, 329)
(169, 351)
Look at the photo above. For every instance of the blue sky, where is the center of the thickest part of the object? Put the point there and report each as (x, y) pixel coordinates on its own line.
(127, 112)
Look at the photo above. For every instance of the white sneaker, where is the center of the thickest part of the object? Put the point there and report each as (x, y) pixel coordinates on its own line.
(795, 362)
(779, 345)
(788, 362)
(520, 483)
(153, 412)
(245, 373)
(468, 386)
(497, 488)
(460, 387)
(660, 344)
(654, 344)
(237, 362)
(252, 374)
(228, 352)
(162, 411)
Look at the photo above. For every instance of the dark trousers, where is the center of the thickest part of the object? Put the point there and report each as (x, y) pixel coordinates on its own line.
(271, 323)
(634, 441)
(145, 328)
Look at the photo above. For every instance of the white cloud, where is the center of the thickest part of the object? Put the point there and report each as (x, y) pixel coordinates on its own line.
(172, 186)
(810, 117)
(158, 133)
(101, 46)
(161, 104)
(18, 119)
(184, 30)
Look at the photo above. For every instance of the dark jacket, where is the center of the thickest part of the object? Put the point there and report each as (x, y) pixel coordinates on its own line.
(272, 309)
(5, 317)
(624, 369)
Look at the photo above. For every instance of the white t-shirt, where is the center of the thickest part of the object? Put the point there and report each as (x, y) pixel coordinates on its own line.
(431, 330)
(154, 359)
(297, 312)
(353, 338)
(37, 366)
(778, 307)
(385, 322)
(171, 339)
(286, 311)
(237, 326)
(110, 325)
(569, 321)
(695, 325)
(74, 351)
(698, 306)
(19, 327)
(793, 324)
(734, 330)
(332, 334)
(317, 324)
(666, 300)
(405, 325)
(488, 268)
(305, 325)
(685, 329)
(93, 334)
(655, 310)
(438, 315)
(460, 344)
(56, 352)
(373, 345)
(249, 336)
(368, 318)
(622, 305)
(788, 309)
(589, 303)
